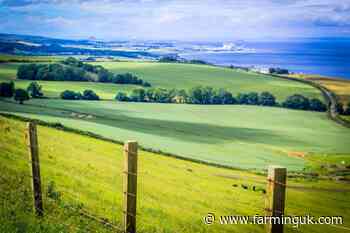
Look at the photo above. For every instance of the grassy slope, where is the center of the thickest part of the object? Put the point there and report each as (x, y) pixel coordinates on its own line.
(173, 194)
(185, 76)
(194, 131)
(53, 89)
(174, 76)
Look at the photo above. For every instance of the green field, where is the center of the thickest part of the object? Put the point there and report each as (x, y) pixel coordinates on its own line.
(238, 136)
(172, 75)
(216, 134)
(173, 195)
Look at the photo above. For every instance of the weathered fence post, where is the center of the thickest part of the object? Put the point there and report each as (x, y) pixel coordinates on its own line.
(130, 186)
(275, 198)
(33, 148)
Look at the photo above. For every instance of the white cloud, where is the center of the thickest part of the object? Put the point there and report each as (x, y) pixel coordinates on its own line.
(191, 19)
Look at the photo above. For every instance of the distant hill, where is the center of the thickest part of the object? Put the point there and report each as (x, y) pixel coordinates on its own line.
(38, 45)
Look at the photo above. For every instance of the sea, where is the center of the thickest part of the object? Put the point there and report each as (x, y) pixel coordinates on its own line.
(326, 56)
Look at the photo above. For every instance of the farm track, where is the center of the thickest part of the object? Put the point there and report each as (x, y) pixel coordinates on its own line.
(330, 97)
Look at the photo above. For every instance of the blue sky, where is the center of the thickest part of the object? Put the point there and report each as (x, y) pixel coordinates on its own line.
(178, 20)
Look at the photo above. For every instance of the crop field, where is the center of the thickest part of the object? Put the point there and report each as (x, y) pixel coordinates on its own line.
(180, 76)
(278, 136)
(185, 76)
(174, 195)
(341, 87)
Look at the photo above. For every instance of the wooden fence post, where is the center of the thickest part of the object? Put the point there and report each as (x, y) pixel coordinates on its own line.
(275, 198)
(130, 186)
(33, 148)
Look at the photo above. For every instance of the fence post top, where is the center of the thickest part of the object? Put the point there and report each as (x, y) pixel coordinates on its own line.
(275, 167)
(31, 124)
(131, 142)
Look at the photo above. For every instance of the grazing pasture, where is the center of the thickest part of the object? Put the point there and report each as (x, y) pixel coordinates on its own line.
(82, 173)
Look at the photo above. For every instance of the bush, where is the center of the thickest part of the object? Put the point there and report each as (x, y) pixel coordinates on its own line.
(7, 89)
(317, 105)
(146, 84)
(71, 95)
(34, 90)
(347, 110)
(339, 108)
(138, 95)
(21, 95)
(253, 98)
(242, 98)
(297, 102)
(90, 95)
(267, 99)
(121, 96)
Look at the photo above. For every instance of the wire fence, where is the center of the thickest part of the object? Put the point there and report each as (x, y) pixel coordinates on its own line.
(83, 196)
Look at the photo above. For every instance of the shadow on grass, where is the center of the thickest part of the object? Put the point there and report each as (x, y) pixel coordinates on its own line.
(178, 130)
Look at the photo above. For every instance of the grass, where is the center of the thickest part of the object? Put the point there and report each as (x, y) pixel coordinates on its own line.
(174, 195)
(185, 76)
(266, 136)
(181, 76)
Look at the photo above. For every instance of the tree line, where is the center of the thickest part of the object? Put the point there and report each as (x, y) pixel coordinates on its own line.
(196, 95)
(8, 90)
(71, 69)
(208, 95)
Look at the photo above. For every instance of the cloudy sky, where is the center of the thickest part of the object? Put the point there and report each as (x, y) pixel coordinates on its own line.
(177, 19)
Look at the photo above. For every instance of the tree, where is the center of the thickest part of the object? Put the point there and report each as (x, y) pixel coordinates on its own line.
(196, 95)
(90, 95)
(242, 98)
(104, 76)
(347, 110)
(121, 96)
(70, 95)
(226, 97)
(267, 99)
(146, 84)
(138, 95)
(253, 98)
(297, 102)
(35, 90)
(317, 105)
(21, 95)
(7, 89)
(339, 108)
(27, 71)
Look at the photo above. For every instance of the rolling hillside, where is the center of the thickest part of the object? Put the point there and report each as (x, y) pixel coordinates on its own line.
(267, 135)
(172, 75)
(84, 174)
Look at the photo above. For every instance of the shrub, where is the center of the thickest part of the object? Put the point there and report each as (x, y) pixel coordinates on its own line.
(317, 105)
(242, 98)
(7, 89)
(121, 96)
(339, 108)
(347, 111)
(297, 102)
(267, 99)
(70, 95)
(90, 95)
(138, 95)
(21, 95)
(253, 98)
(146, 84)
(34, 90)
